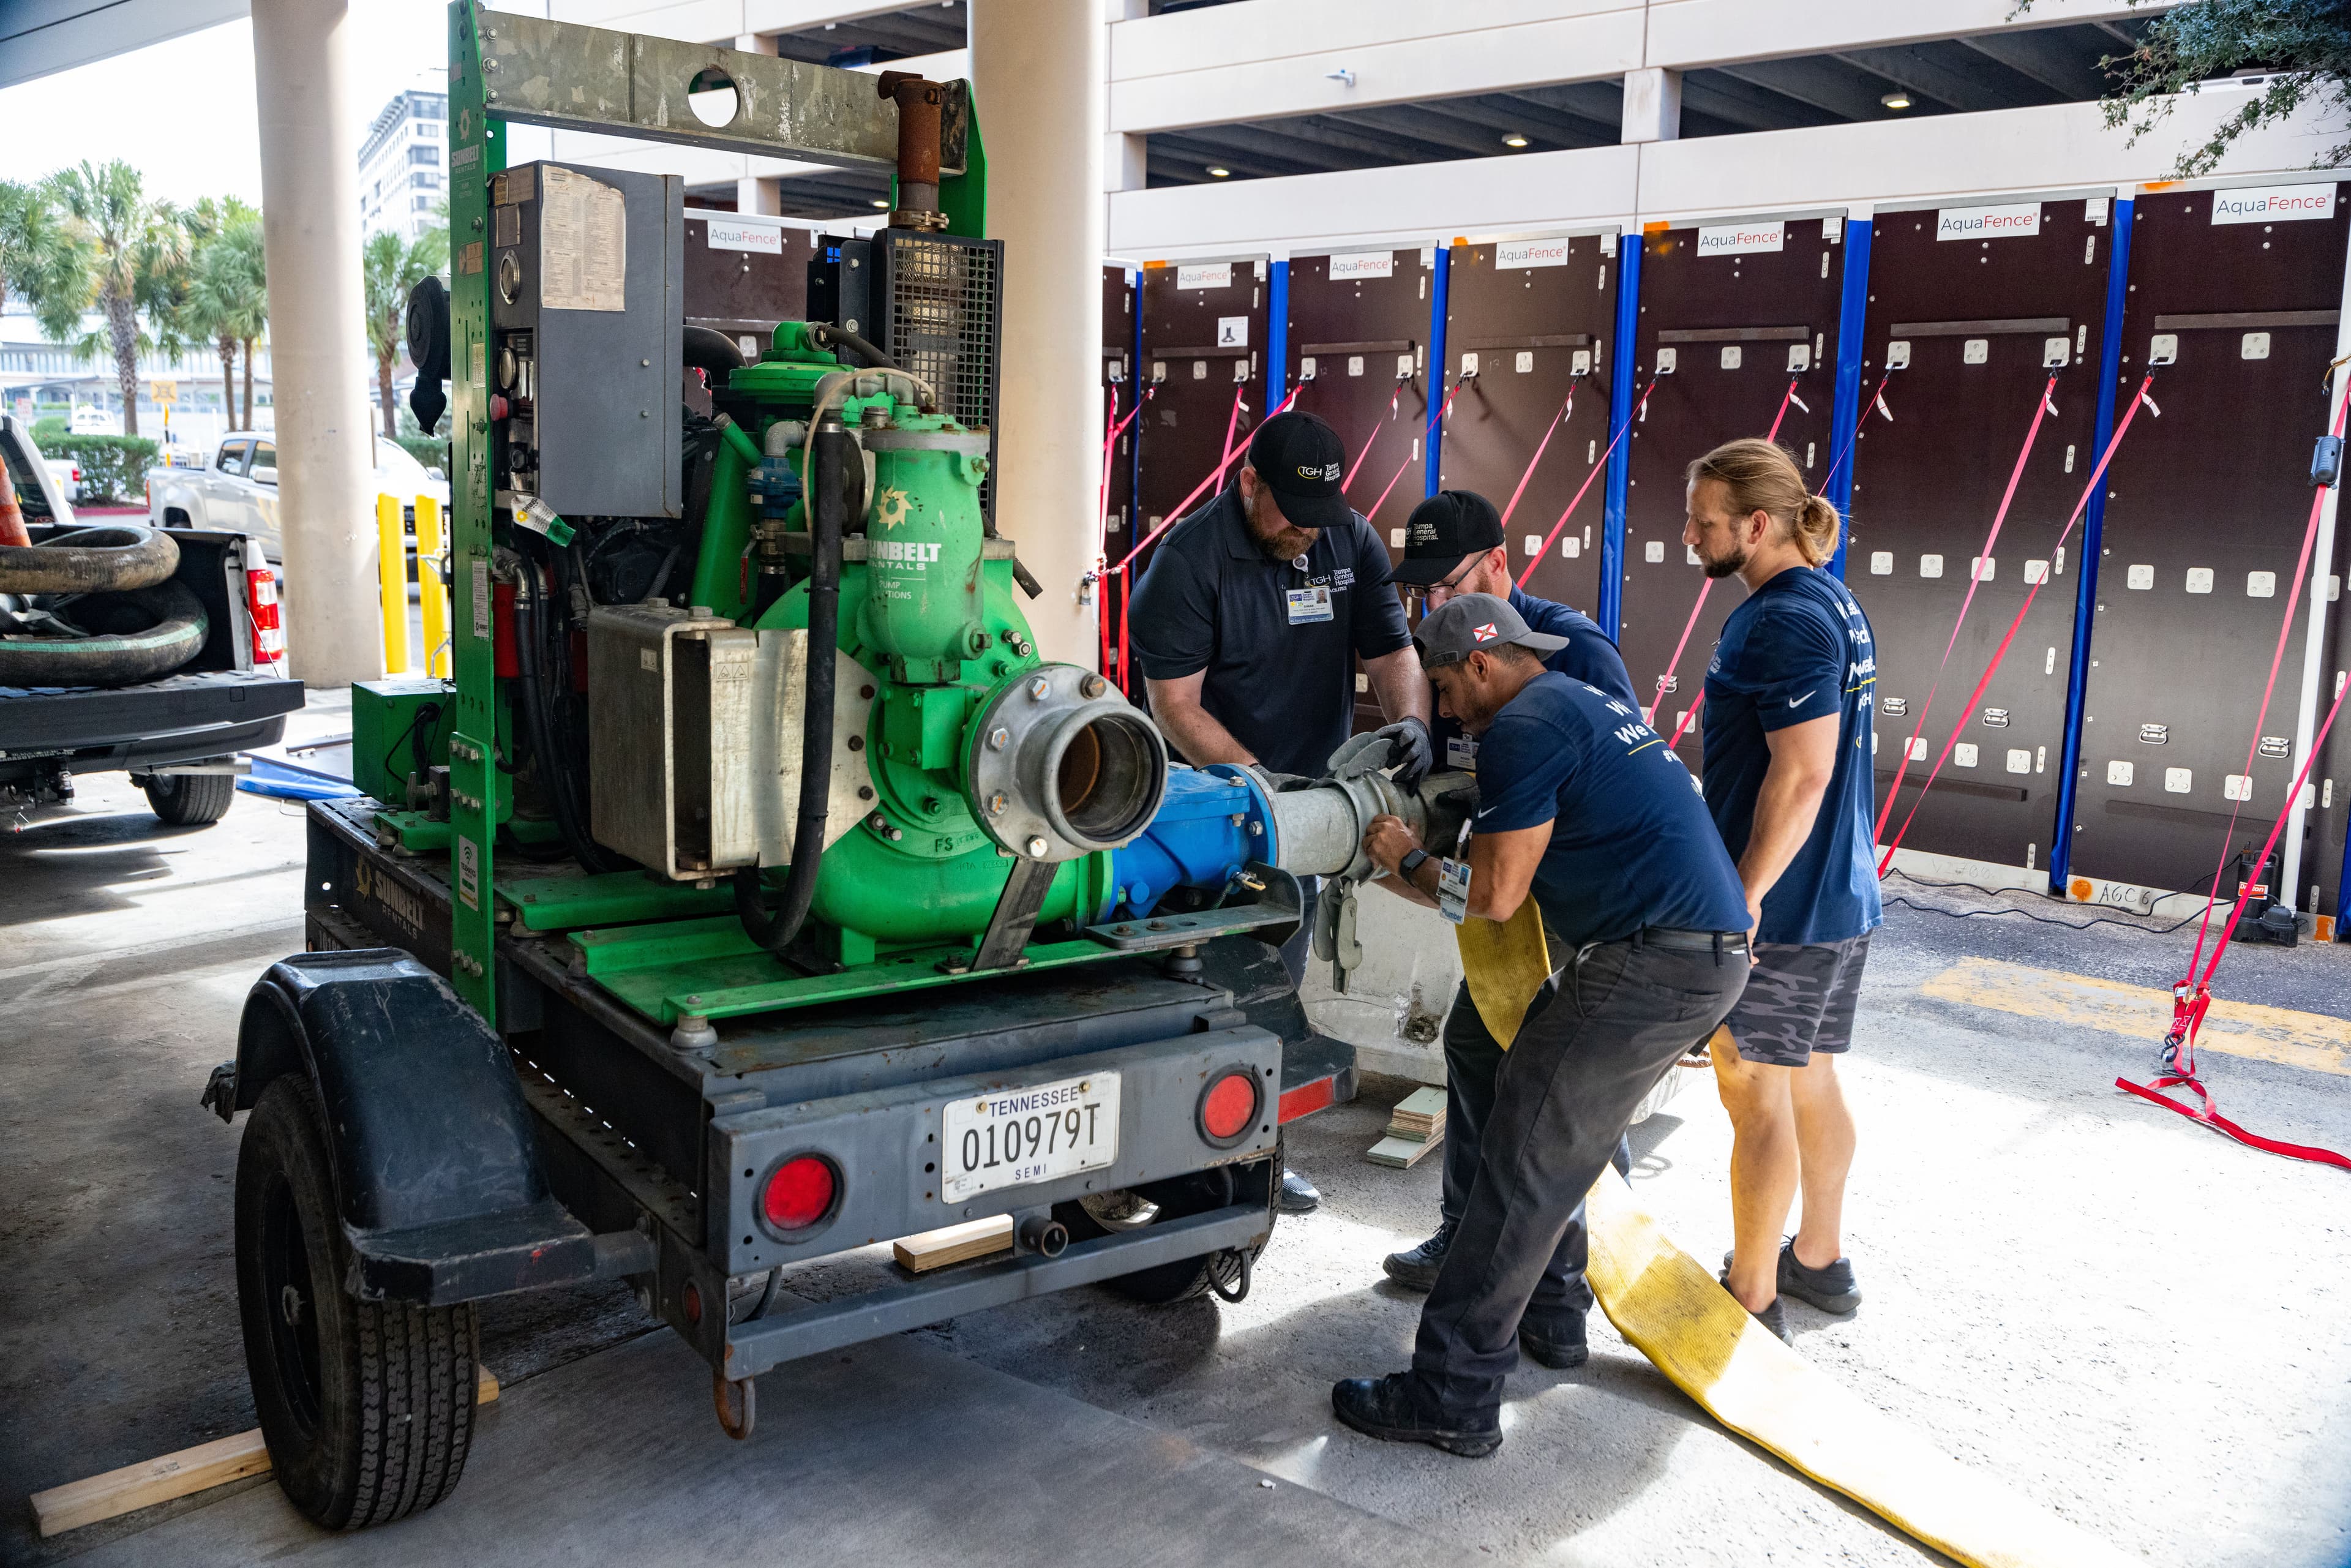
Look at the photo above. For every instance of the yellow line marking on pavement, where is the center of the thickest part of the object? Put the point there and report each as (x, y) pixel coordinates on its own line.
(2282, 1035)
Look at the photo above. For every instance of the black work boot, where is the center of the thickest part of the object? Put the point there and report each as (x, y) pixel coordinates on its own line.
(1383, 1407)
(1417, 1270)
(1298, 1194)
(1555, 1338)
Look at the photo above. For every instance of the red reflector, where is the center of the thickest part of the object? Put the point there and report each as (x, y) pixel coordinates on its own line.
(1230, 1106)
(799, 1192)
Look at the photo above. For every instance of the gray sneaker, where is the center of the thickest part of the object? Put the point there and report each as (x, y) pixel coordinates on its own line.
(1417, 1270)
(1831, 1289)
(1774, 1316)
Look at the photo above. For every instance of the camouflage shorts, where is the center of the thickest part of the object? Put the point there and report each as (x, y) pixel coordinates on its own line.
(1799, 999)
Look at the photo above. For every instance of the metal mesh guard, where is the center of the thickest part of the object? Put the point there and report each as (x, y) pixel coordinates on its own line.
(942, 320)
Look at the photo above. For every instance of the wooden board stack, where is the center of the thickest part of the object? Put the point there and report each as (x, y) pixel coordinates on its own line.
(1415, 1126)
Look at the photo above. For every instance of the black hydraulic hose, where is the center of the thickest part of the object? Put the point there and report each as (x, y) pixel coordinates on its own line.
(708, 348)
(530, 648)
(176, 630)
(838, 470)
(113, 558)
(828, 336)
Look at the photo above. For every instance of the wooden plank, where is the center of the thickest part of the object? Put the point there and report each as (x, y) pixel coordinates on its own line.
(2229, 320)
(2037, 325)
(954, 1244)
(1400, 1152)
(190, 1471)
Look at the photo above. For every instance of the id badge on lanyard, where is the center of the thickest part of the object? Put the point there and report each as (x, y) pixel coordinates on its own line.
(1307, 605)
(1453, 882)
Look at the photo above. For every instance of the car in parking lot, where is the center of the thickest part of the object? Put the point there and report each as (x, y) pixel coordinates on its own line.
(237, 491)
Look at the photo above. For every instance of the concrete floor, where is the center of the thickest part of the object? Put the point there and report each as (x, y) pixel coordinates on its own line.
(2124, 1317)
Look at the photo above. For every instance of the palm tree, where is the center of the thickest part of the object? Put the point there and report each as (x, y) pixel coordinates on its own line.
(125, 249)
(31, 240)
(226, 302)
(391, 267)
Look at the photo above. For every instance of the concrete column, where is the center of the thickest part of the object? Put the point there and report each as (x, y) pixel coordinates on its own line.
(310, 234)
(1039, 83)
(1652, 105)
(1126, 162)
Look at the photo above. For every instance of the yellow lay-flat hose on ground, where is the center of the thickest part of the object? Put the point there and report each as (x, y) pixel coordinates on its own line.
(1671, 1309)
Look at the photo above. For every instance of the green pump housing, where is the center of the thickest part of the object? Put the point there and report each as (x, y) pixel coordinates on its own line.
(959, 695)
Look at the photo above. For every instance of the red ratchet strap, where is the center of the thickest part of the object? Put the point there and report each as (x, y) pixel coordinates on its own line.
(1577, 499)
(1373, 509)
(2192, 999)
(1215, 476)
(1557, 421)
(2042, 409)
(1877, 400)
(1370, 435)
(2097, 475)
(2285, 630)
(1773, 434)
(1704, 588)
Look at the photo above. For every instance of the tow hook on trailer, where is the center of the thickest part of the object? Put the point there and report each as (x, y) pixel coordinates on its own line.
(738, 1401)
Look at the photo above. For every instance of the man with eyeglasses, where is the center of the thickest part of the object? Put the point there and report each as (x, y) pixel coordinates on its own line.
(1454, 545)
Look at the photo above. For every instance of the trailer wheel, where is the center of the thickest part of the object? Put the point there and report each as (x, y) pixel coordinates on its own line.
(367, 1406)
(190, 799)
(1131, 1209)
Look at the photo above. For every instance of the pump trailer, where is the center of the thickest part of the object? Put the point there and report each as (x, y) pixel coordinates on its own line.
(756, 891)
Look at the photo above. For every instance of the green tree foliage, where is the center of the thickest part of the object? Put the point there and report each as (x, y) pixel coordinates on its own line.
(32, 241)
(390, 266)
(125, 254)
(227, 300)
(2302, 46)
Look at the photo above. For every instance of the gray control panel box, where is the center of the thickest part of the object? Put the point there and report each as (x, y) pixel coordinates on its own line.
(588, 336)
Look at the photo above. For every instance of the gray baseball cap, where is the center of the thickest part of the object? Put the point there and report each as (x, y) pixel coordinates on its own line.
(1461, 625)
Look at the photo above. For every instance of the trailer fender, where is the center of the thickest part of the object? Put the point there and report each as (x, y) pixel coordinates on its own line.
(436, 1157)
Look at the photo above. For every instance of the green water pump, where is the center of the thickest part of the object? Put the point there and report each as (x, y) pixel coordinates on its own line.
(960, 777)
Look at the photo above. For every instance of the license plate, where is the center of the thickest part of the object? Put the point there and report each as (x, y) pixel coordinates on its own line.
(1042, 1132)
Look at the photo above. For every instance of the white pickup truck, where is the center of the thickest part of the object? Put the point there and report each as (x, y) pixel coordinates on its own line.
(237, 492)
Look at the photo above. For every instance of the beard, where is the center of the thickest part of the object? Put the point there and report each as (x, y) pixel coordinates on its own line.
(1725, 566)
(1286, 543)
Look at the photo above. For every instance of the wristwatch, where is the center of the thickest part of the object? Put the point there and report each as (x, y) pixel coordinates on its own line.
(1411, 862)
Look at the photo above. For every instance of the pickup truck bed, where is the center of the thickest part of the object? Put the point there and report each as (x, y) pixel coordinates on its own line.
(221, 701)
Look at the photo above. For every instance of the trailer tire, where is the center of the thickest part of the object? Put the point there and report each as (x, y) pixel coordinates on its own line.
(367, 1406)
(190, 799)
(1165, 1284)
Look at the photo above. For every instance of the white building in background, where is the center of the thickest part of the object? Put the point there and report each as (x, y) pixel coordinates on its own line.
(183, 392)
(403, 162)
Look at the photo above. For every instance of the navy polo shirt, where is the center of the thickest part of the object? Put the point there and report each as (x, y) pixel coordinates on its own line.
(1631, 845)
(1589, 657)
(1799, 649)
(1212, 602)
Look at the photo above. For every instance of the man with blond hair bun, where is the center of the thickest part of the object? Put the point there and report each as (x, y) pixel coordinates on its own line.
(1788, 780)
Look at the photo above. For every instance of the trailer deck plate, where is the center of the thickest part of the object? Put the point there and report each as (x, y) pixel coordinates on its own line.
(669, 970)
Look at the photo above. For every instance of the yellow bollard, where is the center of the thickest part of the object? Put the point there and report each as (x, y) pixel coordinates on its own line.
(392, 570)
(431, 591)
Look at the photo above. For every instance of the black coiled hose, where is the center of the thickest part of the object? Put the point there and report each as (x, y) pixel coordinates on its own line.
(838, 470)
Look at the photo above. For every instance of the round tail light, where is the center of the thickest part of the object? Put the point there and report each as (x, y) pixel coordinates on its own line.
(1229, 1108)
(799, 1192)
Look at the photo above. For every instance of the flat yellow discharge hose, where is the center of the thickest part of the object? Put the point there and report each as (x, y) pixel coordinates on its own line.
(1670, 1307)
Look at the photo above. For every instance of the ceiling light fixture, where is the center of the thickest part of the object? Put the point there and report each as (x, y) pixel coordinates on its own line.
(882, 201)
(1897, 99)
(1514, 140)
(1220, 171)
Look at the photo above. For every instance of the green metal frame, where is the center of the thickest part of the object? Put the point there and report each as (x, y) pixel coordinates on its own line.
(510, 66)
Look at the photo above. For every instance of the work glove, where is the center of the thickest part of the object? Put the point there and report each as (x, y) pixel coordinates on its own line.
(1411, 752)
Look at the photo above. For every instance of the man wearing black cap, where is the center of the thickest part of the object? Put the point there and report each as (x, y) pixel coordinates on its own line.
(1248, 623)
(1581, 808)
(1453, 546)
